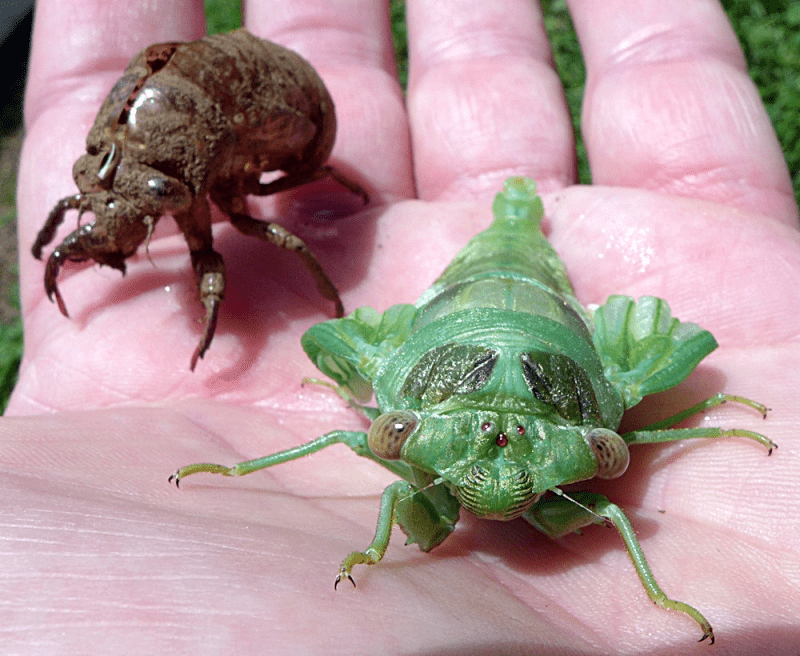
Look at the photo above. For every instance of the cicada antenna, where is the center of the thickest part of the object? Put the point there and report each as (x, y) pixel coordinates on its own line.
(566, 496)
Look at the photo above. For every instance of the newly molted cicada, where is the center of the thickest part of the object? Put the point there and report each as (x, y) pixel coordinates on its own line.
(497, 388)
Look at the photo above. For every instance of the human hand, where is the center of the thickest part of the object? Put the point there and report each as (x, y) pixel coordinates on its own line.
(692, 203)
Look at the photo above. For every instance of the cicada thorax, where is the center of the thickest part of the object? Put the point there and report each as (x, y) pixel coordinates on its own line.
(280, 107)
(510, 361)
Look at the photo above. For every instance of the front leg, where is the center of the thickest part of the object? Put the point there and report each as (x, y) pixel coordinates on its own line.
(426, 512)
(209, 268)
(386, 520)
(557, 516)
(54, 219)
(427, 516)
(356, 440)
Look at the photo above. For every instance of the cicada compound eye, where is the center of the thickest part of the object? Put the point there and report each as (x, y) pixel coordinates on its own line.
(388, 433)
(611, 451)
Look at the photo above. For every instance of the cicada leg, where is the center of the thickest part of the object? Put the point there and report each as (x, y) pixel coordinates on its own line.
(54, 219)
(662, 432)
(426, 512)
(557, 516)
(427, 515)
(386, 520)
(355, 440)
(296, 179)
(210, 271)
(276, 234)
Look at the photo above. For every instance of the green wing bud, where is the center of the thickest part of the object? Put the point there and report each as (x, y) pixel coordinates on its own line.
(349, 350)
(644, 349)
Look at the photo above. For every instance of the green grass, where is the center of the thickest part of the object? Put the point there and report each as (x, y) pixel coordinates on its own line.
(569, 62)
(769, 33)
(400, 39)
(223, 15)
(10, 351)
(770, 36)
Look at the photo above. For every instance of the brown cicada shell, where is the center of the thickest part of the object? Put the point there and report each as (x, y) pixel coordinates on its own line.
(187, 122)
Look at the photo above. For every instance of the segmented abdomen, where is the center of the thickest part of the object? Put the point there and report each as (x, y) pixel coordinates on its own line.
(509, 266)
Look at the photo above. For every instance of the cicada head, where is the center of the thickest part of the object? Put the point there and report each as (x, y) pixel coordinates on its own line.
(498, 464)
(135, 190)
(126, 199)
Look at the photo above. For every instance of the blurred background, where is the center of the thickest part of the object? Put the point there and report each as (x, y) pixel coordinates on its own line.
(769, 32)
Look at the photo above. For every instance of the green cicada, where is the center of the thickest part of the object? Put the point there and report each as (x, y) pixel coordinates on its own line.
(498, 387)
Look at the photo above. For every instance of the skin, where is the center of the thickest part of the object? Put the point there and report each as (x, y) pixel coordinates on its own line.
(692, 203)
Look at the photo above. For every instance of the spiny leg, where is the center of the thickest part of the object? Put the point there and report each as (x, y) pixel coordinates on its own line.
(210, 271)
(282, 238)
(51, 271)
(74, 248)
(69, 249)
(54, 219)
(661, 431)
(558, 516)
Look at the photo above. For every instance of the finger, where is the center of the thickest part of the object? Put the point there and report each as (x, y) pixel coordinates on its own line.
(484, 100)
(349, 43)
(669, 106)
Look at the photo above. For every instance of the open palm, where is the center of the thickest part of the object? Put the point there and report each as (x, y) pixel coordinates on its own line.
(692, 203)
